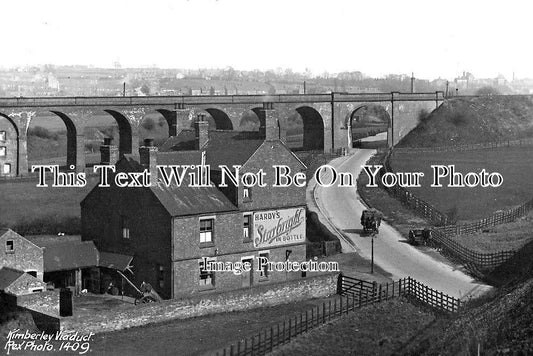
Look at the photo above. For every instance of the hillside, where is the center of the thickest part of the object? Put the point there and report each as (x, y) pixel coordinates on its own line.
(500, 323)
(481, 119)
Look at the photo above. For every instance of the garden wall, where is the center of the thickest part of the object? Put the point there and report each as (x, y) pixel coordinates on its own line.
(258, 296)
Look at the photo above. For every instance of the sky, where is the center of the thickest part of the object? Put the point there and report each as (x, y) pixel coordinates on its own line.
(377, 37)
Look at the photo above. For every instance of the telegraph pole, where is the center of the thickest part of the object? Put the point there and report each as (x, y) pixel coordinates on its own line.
(124, 89)
(372, 265)
(374, 233)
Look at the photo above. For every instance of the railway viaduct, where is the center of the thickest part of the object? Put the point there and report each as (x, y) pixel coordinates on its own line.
(326, 118)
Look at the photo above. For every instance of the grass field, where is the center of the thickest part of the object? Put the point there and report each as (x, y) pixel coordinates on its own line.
(511, 236)
(379, 329)
(24, 200)
(515, 164)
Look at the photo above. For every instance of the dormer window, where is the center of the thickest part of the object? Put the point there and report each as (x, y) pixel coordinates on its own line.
(2, 135)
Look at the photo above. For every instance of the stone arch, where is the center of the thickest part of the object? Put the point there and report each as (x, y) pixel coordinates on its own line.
(17, 158)
(360, 126)
(353, 115)
(125, 132)
(72, 139)
(313, 125)
(156, 124)
(221, 119)
(171, 118)
(253, 118)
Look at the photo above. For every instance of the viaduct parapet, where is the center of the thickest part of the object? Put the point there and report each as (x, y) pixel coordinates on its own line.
(326, 118)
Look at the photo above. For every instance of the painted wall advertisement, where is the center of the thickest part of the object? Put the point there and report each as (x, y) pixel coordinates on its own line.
(279, 227)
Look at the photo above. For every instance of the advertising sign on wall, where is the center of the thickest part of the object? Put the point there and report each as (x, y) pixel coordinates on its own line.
(279, 227)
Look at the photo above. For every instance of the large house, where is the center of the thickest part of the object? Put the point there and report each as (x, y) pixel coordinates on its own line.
(172, 231)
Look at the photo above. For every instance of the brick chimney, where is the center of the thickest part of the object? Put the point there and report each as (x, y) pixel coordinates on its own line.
(108, 152)
(271, 122)
(201, 129)
(148, 158)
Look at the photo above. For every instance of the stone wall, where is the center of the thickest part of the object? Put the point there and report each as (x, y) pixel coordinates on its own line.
(43, 302)
(269, 295)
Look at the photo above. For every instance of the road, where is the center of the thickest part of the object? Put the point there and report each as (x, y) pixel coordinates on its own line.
(342, 207)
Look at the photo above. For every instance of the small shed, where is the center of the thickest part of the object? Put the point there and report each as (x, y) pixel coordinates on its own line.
(17, 282)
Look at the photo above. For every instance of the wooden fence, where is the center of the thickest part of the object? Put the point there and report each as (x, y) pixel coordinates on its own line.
(441, 235)
(474, 146)
(478, 259)
(412, 201)
(364, 290)
(497, 218)
(354, 294)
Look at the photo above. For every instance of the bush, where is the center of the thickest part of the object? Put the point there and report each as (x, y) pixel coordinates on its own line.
(48, 225)
(423, 116)
(458, 119)
(42, 132)
(453, 215)
(487, 90)
(148, 124)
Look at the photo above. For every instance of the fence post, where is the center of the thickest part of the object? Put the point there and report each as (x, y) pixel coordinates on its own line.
(360, 298)
(290, 327)
(324, 311)
(231, 350)
(259, 343)
(271, 338)
(339, 284)
(399, 287)
(224, 353)
(307, 319)
(253, 344)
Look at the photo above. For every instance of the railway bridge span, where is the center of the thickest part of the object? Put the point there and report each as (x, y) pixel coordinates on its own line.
(326, 118)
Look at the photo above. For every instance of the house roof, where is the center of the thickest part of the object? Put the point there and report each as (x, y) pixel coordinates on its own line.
(223, 147)
(8, 276)
(184, 200)
(69, 255)
(46, 240)
(114, 260)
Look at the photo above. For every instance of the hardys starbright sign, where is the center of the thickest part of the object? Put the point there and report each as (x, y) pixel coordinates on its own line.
(279, 227)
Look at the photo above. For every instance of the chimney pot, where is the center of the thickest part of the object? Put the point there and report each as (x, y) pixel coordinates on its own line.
(272, 129)
(148, 159)
(201, 129)
(108, 152)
